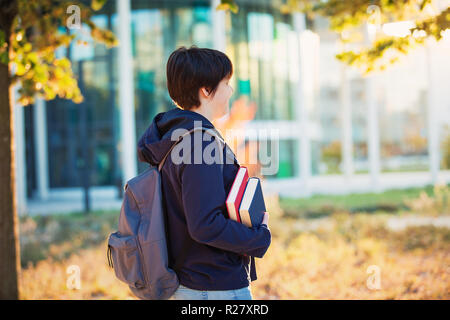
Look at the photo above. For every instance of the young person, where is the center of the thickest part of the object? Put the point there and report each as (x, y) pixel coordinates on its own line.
(220, 260)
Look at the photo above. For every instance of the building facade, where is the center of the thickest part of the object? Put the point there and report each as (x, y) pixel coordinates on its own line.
(338, 132)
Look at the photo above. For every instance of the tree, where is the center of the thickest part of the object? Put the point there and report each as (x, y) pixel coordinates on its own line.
(349, 18)
(30, 33)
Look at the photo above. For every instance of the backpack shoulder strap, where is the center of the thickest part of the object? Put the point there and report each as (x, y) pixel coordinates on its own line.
(179, 261)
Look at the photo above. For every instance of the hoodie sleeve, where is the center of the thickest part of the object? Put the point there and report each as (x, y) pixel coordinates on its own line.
(203, 196)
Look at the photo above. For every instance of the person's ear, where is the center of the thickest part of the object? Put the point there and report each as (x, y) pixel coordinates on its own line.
(205, 92)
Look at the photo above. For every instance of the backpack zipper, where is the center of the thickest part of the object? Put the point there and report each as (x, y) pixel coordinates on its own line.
(109, 255)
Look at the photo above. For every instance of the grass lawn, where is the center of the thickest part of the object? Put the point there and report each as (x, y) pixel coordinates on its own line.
(323, 205)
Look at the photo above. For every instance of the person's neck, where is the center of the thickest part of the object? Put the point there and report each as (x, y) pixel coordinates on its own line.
(206, 112)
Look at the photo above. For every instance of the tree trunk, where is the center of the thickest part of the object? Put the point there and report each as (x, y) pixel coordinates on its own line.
(9, 241)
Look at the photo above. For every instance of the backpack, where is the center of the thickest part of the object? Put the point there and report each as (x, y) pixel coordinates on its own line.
(138, 250)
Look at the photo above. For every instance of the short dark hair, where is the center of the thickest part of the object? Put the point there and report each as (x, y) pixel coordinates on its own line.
(188, 70)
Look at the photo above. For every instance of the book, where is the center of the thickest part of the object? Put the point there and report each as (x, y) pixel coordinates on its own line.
(252, 206)
(236, 192)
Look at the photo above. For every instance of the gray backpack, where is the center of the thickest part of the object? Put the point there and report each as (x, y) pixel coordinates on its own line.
(138, 250)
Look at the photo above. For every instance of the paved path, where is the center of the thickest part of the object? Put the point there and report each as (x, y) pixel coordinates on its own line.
(393, 223)
(400, 223)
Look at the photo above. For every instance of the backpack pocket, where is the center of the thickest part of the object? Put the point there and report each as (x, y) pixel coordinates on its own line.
(124, 256)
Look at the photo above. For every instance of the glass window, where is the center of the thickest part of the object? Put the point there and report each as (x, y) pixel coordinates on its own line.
(444, 144)
(441, 78)
(401, 98)
(287, 158)
(359, 123)
(86, 134)
(157, 30)
(30, 149)
(258, 43)
(323, 83)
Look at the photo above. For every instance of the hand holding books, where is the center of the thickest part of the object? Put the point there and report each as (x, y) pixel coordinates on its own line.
(245, 201)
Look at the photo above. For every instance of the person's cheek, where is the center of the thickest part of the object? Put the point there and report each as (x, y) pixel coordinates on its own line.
(227, 102)
(230, 92)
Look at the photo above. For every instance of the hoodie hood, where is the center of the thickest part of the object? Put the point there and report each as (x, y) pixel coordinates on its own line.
(156, 140)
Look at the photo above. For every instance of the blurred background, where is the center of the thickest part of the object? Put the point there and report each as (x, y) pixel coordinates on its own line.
(363, 160)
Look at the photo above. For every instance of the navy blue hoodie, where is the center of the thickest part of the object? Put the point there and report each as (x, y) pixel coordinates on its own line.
(221, 251)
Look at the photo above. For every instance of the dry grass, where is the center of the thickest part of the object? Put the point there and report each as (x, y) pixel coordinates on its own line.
(329, 261)
(311, 268)
(49, 279)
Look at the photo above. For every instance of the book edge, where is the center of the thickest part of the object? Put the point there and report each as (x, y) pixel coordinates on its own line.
(233, 185)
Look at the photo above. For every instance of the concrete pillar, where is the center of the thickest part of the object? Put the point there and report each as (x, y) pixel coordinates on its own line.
(218, 25)
(346, 122)
(126, 93)
(373, 134)
(20, 163)
(302, 112)
(433, 120)
(40, 141)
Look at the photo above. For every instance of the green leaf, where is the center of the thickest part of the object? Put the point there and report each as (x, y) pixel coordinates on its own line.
(97, 4)
(3, 48)
(228, 5)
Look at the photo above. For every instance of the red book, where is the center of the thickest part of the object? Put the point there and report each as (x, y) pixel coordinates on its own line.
(236, 192)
